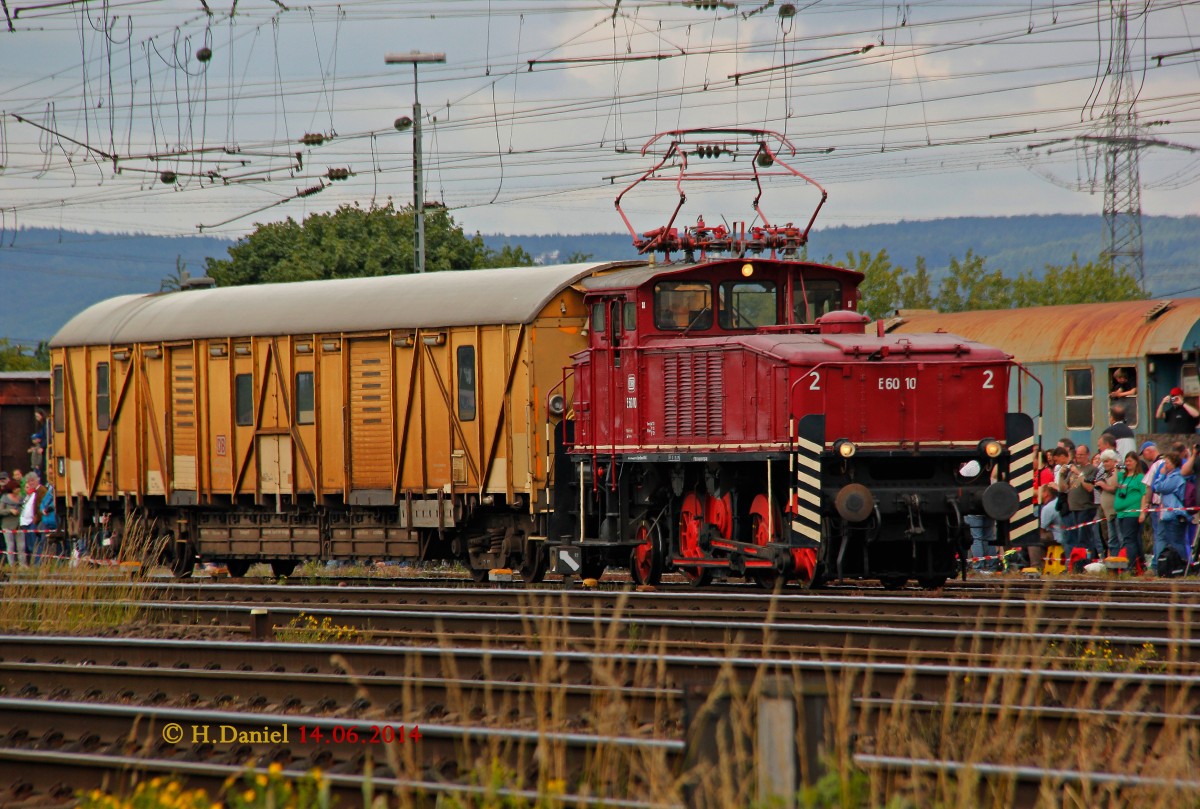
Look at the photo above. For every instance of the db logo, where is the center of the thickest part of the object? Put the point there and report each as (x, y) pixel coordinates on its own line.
(220, 445)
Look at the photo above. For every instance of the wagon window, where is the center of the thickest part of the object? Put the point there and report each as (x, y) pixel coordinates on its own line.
(60, 415)
(306, 410)
(102, 396)
(682, 305)
(814, 298)
(1123, 390)
(748, 304)
(1079, 398)
(466, 383)
(244, 396)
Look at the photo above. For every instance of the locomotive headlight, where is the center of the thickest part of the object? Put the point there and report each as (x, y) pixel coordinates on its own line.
(747, 270)
(557, 404)
(991, 447)
(845, 448)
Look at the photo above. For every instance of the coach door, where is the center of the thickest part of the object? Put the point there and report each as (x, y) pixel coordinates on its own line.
(183, 424)
(370, 419)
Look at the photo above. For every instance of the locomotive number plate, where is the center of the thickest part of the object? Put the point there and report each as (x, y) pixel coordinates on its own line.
(898, 383)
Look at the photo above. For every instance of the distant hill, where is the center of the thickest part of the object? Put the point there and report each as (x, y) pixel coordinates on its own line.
(50, 275)
(1011, 244)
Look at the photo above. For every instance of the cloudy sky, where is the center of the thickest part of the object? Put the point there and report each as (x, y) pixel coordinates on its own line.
(901, 111)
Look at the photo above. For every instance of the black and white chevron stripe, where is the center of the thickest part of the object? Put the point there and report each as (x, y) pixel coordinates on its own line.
(805, 499)
(1023, 525)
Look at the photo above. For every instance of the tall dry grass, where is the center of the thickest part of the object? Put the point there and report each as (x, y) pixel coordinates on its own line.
(74, 596)
(918, 722)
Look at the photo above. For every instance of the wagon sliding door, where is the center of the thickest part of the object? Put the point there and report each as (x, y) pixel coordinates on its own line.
(370, 421)
(183, 424)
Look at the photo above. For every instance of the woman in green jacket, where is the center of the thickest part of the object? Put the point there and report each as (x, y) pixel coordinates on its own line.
(1128, 504)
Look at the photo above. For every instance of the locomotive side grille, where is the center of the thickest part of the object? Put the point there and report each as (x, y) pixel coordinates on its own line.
(694, 402)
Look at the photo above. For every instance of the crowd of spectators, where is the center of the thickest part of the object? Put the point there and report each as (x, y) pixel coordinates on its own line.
(1121, 500)
(27, 514)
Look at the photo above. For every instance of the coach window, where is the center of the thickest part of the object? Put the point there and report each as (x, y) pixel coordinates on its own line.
(682, 305)
(102, 396)
(747, 304)
(60, 414)
(814, 298)
(244, 399)
(1122, 390)
(1079, 398)
(306, 409)
(466, 383)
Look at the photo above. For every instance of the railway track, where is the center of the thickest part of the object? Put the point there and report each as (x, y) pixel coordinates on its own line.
(85, 696)
(611, 676)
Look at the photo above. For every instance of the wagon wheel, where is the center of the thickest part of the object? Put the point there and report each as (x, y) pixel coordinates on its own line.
(180, 558)
(534, 562)
(646, 561)
(691, 521)
(764, 527)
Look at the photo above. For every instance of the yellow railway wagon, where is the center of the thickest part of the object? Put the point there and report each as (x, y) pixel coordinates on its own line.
(384, 417)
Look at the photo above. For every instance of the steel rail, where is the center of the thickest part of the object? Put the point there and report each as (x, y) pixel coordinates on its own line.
(908, 678)
(327, 692)
(442, 748)
(42, 771)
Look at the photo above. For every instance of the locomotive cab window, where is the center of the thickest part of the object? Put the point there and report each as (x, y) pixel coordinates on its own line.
(244, 399)
(747, 304)
(1078, 387)
(814, 298)
(466, 383)
(682, 305)
(629, 317)
(598, 319)
(102, 396)
(306, 409)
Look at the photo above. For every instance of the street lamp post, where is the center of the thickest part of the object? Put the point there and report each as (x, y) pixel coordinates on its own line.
(415, 58)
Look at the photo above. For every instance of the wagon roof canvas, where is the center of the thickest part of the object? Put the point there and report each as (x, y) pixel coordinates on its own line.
(458, 298)
(1079, 331)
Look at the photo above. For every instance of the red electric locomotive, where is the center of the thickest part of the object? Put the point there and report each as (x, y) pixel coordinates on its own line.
(733, 412)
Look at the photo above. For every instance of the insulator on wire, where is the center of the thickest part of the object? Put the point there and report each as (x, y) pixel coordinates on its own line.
(308, 192)
(765, 161)
(204, 54)
(312, 139)
(338, 174)
(168, 177)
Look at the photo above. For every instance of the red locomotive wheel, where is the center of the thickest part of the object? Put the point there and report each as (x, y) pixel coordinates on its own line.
(646, 563)
(765, 524)
(691, 521)
(805, 561)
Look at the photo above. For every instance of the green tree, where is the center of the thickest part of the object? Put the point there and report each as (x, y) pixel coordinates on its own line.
(880, 290)
(175, 281)
(915, 288)
(577, 257)
(969, 286)
(16, 357)
(352, 242)
(1093, 282)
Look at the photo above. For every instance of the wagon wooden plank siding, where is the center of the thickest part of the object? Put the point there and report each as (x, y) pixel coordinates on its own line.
(293, 412)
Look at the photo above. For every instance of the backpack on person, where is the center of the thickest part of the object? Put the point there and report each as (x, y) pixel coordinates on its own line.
(1170, 564)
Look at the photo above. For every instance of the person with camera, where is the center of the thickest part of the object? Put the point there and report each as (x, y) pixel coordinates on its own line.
(1180, 416)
